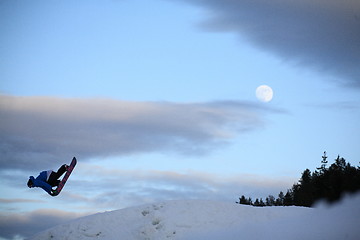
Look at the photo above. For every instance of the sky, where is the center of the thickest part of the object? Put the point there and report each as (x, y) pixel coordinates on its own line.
(156, 99)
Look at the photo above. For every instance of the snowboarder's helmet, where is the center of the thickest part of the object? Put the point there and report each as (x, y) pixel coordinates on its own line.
(30, 183)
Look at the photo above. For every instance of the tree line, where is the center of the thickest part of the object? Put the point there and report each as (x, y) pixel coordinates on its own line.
(325, 183)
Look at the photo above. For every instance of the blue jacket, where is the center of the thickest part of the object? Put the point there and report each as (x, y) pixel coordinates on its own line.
(40, 181)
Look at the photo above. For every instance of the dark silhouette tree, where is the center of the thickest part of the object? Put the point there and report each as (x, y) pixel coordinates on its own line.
(280, 199)
(289, 199)
(256, 203)
(323, 163)
(270, 200)
(243, 200)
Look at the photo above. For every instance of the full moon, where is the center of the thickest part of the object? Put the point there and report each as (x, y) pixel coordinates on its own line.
(264, 93)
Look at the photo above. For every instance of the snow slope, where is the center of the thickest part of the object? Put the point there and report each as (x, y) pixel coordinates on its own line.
(196, 219)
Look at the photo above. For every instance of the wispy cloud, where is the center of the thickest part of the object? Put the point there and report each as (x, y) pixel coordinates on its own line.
(115, 188)
(320, 34)
(36, 129)
(19, 200)
(336, 106)
(27, 224)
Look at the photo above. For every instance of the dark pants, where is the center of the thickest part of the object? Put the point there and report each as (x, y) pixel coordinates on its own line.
(54, 176)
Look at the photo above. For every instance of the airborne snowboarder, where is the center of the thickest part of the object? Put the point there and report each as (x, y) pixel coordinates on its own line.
(49, 179)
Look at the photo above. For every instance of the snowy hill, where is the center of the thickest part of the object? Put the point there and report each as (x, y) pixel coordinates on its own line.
(196, 219)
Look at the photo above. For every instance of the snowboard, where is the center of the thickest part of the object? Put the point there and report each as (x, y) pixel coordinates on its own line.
(65, 178)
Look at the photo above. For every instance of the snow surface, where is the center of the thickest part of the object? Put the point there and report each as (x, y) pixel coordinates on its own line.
(197, 219)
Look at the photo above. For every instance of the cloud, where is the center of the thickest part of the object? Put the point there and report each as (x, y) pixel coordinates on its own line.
(27, 224)
(319, 34)
(36, 130)
(19, 200)
(336, 106)
(113, 188)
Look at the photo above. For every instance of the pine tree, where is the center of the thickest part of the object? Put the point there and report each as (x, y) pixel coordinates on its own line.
(323, 163)
(243, 200)
(270, 200)
(288, 199)
(305, 192)
(280, 200)
(340, 163)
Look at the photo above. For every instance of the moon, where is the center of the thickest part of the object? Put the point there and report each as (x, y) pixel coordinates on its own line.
(264, 93)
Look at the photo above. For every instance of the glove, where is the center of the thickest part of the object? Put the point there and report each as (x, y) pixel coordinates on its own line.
(53, 193)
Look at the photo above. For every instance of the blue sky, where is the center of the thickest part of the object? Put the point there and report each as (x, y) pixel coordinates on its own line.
(157, 100)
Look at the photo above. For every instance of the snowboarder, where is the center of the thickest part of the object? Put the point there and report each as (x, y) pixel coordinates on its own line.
(47, 180)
